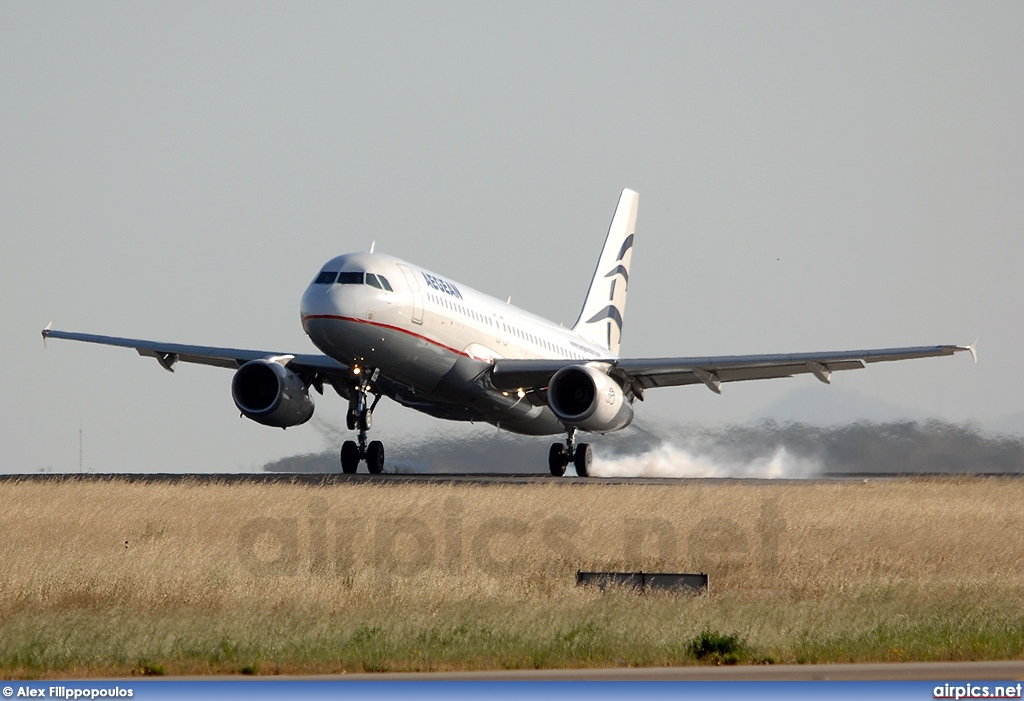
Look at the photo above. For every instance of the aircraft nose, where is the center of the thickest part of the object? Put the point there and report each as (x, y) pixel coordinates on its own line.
(316, 301)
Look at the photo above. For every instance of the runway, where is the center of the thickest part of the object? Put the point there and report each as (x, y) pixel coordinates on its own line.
(320, 479)
(482, 478)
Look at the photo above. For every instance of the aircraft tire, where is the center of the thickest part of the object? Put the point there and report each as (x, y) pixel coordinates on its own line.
(582, 459)
(365, 420)
(375, 457)
(349, 457)
(557, 459)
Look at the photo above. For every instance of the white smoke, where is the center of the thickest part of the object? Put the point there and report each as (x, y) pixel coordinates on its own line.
(668, 460)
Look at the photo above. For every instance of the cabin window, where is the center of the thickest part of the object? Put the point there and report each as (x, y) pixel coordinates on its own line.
(326, 277)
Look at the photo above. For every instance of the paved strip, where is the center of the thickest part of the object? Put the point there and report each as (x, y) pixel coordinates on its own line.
(316, 479)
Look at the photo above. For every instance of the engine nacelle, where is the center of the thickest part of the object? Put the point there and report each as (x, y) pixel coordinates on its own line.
(586, 398)
(271, 394)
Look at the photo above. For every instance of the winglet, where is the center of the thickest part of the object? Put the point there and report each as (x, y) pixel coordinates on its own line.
(973, 350)
(46, 333)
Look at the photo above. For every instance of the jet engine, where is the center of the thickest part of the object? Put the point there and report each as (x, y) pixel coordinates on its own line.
(271, 394)
(586, 398)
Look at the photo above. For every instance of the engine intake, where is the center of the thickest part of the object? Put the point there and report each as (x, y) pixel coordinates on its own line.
(586, 398)
(271, 394)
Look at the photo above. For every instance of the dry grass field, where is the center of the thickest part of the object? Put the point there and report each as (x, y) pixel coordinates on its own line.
(117, 578)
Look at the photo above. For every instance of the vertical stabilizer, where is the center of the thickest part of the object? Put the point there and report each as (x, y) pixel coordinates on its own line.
(601, 318)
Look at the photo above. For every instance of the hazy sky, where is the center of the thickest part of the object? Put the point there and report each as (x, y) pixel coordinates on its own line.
(812, 176)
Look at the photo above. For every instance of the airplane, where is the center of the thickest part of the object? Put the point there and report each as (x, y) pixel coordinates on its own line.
(389, 328)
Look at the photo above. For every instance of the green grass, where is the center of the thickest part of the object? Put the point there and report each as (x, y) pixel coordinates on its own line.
(892, 623)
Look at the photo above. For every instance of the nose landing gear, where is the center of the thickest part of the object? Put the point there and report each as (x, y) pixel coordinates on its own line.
(360, 416)
(560, 455)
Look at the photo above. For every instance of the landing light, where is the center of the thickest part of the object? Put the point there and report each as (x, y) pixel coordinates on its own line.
(356, 370)
(520, 393)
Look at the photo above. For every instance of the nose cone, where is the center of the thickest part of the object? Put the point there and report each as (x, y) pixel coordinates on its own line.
(317, 301)
(319, 313)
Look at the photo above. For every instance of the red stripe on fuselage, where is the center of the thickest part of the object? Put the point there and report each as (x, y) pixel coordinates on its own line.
(389, 327)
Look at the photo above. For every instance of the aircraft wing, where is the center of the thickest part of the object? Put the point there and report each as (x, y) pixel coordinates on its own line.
(638, 374)
(167, 354)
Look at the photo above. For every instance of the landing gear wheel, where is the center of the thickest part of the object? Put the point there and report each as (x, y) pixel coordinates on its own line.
(582, 459)
(349, 457)
(375, 457)
(557, 460)
(359, 418)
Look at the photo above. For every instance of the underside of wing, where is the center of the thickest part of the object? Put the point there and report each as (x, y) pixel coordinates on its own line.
(639, 374)
(168, 354)
(512, 374)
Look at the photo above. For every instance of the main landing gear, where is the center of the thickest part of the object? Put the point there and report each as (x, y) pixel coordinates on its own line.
(579, 455)
(360, 416)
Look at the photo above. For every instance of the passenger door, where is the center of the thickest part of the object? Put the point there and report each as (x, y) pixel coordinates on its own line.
(417, 293)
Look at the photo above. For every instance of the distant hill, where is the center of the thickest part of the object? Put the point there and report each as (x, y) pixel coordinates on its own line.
(739, 450)
(819, 405)
(867, 447)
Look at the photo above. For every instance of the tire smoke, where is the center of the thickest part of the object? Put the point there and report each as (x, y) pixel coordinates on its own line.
(669, 460)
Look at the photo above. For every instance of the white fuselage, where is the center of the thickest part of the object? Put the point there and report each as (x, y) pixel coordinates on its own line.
(433, 339)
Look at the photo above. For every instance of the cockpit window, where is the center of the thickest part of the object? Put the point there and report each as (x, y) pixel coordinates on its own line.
(328, 277)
